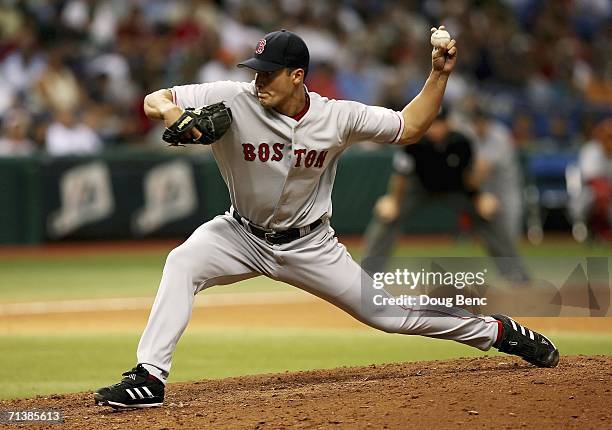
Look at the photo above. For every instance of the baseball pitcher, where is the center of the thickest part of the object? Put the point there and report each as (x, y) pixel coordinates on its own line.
(277, 146)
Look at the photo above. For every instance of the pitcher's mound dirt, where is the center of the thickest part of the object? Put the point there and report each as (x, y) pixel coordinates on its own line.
(488, 392)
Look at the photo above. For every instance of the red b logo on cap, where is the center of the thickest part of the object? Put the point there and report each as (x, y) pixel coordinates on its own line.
(260, 46)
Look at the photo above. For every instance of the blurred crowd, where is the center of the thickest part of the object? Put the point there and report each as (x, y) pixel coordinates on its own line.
(73, 73)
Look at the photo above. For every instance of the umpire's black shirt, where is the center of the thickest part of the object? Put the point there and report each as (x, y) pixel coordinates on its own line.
(439, 166)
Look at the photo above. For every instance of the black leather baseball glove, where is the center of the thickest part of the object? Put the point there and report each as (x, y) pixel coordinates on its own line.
(212, 121)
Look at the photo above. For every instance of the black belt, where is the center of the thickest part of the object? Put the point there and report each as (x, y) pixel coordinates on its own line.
(277, 237)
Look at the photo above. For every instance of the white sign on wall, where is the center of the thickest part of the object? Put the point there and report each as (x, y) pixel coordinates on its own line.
(169, 195)
(86, 196)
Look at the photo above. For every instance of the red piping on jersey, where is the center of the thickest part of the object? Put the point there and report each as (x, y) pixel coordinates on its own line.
(298, 116)
(399, 129)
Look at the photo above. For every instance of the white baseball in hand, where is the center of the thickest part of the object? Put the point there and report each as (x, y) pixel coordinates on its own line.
(440, 37)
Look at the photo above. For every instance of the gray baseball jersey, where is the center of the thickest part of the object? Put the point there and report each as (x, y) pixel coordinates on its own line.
(280, 171)
(280, 174)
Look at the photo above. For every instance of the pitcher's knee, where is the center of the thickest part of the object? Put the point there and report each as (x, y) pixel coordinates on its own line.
(178, 259)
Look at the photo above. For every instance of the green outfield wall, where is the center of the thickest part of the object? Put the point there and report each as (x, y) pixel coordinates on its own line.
(137, 193)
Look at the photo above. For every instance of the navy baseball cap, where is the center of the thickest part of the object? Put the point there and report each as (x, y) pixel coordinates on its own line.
(278, 50)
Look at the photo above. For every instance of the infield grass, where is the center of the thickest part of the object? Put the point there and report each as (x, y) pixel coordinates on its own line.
(137, 273)
(44, 364)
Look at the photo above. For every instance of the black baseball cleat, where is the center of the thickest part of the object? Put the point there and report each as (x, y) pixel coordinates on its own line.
(137, 389)
(533, 347)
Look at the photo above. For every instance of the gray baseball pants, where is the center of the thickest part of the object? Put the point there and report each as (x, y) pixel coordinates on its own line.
(222, 251)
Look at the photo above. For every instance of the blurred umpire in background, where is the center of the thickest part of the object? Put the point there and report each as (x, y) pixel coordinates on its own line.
(444, 166)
